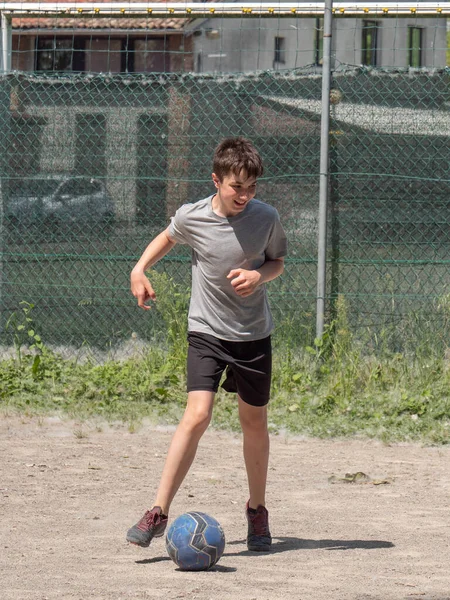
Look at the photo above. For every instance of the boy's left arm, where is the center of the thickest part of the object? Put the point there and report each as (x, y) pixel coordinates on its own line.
(245, 281)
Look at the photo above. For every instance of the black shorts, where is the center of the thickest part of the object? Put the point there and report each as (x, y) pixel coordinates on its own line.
(248, 367)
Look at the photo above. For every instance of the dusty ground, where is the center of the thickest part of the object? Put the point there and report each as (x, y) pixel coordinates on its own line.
(68, 495)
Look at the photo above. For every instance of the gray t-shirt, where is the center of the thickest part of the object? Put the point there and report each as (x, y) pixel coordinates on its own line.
(220, 244)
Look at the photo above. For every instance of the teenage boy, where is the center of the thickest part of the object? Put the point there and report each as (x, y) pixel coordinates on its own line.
(238, 245)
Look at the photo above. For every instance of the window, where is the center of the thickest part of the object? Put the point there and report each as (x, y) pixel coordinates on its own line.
(318, 42)
(369, 43)
(90, 145)
(199, 62)
(280, 50)
(415, 47)
(103, 55)
(59, 54)
(25, 150)
(147, 55)
(152, 169)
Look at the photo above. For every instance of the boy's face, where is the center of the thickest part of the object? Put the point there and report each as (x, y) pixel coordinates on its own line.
(234, 192)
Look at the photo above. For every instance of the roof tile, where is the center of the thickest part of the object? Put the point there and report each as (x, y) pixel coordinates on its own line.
(96, 22)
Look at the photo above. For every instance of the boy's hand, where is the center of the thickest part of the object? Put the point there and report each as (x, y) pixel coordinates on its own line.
(141, 289)
(244, 282)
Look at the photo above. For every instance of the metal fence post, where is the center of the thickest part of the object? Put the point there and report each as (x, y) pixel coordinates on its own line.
(5, 67)
(6, 35)
(324, 170)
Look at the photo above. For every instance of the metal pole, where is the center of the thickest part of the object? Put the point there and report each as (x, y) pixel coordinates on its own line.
(324, 170)
(6, 34)
(5, 67)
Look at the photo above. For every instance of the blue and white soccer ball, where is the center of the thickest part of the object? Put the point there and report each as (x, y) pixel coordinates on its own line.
(195, 541)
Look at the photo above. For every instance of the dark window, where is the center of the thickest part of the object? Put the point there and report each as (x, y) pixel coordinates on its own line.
(25, 145)
(280, 50)
(145, 55)
(151, 170)
(415, 46)
(90, 149)
(59, 54)
(318, 42)
(103, 55)
(369, 43)
(199, 62)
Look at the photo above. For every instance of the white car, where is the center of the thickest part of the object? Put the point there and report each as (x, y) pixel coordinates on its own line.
(58, 202)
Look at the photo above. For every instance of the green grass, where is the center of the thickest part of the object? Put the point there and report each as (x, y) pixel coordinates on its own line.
(339, 386)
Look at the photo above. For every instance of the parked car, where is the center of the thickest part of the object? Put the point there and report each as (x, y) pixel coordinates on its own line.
(52, 202)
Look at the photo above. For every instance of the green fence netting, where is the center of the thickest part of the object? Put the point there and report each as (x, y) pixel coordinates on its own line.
(93, 166)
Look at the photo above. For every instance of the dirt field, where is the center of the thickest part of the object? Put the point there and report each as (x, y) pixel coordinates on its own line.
(68, 494)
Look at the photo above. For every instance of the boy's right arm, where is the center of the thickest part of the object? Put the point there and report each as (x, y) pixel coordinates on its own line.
(141, 287)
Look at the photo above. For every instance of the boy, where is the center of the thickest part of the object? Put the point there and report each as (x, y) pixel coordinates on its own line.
(238, 245)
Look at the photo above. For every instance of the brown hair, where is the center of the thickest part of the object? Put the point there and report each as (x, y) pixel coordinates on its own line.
(236, 154)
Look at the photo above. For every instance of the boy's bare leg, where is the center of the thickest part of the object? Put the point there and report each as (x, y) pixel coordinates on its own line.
(183, 447)
(256, 450)
(256, 456)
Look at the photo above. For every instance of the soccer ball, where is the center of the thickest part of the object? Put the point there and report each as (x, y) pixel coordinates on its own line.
(195, 541)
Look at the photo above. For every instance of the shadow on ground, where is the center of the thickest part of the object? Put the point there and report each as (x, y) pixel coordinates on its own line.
(156, 559)
(285, 544)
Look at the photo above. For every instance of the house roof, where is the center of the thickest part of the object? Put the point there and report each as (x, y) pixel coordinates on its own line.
(96, 22)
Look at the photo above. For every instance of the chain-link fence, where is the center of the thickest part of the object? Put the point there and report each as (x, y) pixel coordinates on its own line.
(93, 166)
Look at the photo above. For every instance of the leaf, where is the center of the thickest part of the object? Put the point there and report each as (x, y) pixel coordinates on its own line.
(36, 364)
(358, 477)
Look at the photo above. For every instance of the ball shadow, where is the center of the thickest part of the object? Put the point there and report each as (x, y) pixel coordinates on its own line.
(214, 569)
(157, 559)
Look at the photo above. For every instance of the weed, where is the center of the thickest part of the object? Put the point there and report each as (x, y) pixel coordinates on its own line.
(79, 433)
(172, 304)
(34, 360)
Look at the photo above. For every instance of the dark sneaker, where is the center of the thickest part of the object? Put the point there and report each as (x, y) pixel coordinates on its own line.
(258, 537)
(152, 524)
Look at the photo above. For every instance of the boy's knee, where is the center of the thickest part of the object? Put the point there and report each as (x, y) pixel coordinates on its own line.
(256, 422)
(197, 418)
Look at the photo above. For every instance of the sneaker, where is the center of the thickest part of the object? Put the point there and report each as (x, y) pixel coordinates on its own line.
(258, 537)
(152, 524)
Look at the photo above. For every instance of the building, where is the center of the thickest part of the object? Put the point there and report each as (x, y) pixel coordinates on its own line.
(137, 135)
(97, 44)
(250, 44)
